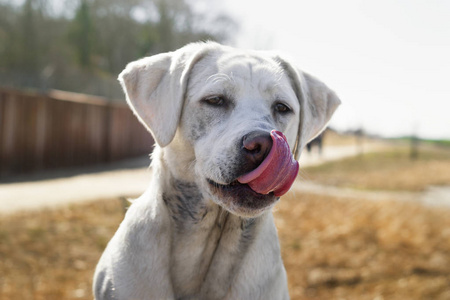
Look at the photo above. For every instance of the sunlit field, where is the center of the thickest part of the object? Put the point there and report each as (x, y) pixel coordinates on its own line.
(358, 249)
(52, 254)
(392, 169)
(333, 247)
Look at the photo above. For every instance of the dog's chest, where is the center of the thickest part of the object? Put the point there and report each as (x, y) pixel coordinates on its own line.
(206, 249)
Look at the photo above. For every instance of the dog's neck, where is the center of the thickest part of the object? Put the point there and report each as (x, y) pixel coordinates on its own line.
(208, 243)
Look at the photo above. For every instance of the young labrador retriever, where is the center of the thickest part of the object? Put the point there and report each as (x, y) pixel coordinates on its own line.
(224, 121)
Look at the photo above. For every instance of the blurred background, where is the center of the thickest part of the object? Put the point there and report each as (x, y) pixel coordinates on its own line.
(81, 46)
(369, 215)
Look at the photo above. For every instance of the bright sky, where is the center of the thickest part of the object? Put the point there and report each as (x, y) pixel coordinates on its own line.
(388, 60)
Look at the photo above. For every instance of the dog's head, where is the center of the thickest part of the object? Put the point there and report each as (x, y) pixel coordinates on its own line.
(217, 112)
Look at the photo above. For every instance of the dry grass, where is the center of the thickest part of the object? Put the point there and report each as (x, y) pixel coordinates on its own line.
(52, 254)
(332, 138)
(387, 170)
(332, 249)
(346, 249)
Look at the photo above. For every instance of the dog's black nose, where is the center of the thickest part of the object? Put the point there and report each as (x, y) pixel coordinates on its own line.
(256, 146)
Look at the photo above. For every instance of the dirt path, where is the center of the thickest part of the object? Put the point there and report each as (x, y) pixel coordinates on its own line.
(432, 196)
(126, 179)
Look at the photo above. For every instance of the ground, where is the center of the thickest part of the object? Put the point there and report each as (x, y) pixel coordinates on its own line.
(334, 245)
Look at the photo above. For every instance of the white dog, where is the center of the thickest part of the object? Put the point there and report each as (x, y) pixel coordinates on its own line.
(204, 228)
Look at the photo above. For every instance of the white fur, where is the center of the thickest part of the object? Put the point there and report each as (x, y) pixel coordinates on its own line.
(181, 239)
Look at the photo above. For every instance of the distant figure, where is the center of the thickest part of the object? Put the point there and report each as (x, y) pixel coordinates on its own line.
(316, 141)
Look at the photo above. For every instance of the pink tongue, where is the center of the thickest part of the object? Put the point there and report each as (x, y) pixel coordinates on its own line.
(278, 170)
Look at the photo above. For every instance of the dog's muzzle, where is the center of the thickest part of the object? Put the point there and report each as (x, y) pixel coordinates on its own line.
(268, 172)
(277, 171)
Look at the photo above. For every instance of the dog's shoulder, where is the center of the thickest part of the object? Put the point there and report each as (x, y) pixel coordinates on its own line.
(144, 231)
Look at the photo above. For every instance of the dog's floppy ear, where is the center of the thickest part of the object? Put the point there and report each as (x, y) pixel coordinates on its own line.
(155, 88)
(322, 103)
(317, 104)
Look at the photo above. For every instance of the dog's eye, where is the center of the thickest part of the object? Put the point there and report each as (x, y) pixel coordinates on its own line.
(214, 100)
(281, 108)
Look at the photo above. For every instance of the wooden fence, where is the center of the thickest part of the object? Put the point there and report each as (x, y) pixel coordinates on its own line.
(60, 129)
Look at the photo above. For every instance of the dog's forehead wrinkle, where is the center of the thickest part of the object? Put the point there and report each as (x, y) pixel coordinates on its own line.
(220, 78)
(250, 71)
(247, 66)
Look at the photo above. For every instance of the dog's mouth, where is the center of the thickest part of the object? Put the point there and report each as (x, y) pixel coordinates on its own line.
(256, 190)
(241, 197)
(232, 185)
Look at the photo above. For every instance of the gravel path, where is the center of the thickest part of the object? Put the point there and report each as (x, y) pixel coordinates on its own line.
(433, 196)
(127, 178)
